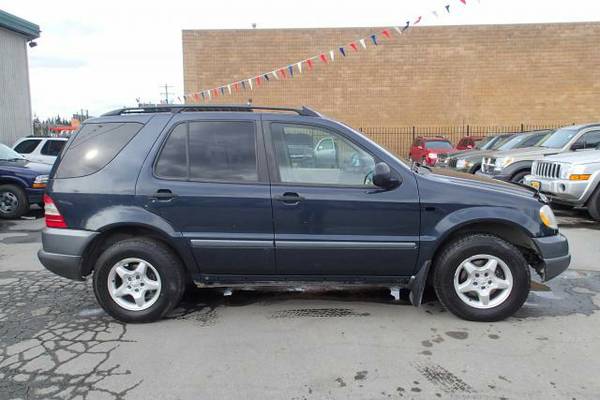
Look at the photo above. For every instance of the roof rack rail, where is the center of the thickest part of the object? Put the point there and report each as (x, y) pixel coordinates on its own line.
(177, 108)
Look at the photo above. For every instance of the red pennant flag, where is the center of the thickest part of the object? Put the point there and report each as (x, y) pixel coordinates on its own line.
(353, 45)
(417, 21)
(215, 93)
(236, 86)
(196, 98)
(323, 58)
(309, 63)
(386, 33)
(464, 2)
(282, 73)
(258, 81)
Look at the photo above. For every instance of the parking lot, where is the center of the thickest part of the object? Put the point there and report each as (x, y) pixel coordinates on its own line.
(55, 342)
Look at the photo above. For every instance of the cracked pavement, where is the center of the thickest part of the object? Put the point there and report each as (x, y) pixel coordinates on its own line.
(56, 343)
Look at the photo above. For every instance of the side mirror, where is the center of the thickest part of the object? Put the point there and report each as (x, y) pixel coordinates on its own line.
(578, 146)
(382, 177)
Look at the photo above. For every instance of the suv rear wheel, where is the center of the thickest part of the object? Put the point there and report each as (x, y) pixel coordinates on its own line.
(13, 202)
(481, 277)
(138, 280)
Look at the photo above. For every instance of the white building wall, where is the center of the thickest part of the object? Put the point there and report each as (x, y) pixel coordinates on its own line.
(15, 98)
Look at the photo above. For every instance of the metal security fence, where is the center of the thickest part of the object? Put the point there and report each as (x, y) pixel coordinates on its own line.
(399, 139)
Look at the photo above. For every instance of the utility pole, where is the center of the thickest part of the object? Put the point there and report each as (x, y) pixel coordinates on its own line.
(166, 92)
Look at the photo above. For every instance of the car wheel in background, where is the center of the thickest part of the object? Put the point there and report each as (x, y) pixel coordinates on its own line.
(594, 205)
(138, 280)
(13, 202)
(480, 277)
(519, 177)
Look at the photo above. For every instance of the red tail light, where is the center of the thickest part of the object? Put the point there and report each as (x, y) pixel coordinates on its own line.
(53, 217)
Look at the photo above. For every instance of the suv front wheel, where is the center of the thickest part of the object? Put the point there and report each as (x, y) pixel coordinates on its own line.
(138, 280)
(481, 277)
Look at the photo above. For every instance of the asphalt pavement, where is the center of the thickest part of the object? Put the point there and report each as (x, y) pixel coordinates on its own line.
(55, 341)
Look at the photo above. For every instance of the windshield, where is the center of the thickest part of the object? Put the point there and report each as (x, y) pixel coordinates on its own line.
(6, 153)
(480, 143)
(438, 144)
(496, 144)
(515, 142)
(559, 138)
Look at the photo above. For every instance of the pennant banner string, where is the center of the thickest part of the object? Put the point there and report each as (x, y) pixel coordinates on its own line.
(280, 73)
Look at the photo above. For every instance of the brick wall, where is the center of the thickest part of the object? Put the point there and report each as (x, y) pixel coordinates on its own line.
(493, 75)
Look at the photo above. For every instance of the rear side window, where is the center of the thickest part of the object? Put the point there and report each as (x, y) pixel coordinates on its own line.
(210, 151)
(94, 146)
(53, 147)
(27, 146)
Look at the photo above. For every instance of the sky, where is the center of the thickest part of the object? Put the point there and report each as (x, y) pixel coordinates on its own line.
(102, 55)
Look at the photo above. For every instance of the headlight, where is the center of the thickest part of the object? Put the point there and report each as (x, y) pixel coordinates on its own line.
(460, 164)
(575, 173)
(548, 218)
(40, 182)
(432, 156)
(503, 162)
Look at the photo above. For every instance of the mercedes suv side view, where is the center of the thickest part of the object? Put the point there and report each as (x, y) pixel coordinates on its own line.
(150, 200)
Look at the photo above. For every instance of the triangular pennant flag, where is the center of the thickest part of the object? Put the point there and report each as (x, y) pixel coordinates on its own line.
(257, 81)
(323, 58)
(243, 85)
(386, 33)
(464, 2)
(209, 94)
(266, 77)
(196, 98)
(374, 39)
(236, 86)
(229, 88)
(222, 90)
(448, 7)
(275, 75)
(406, 26)
(309, 62)
(362, 43)
(331, 55)
(282, 72)
(250, 83)
(436, 14)
(398, 30)
(215, 93)
(417, 21)
(354, 47)
(343, 51)
(299, 67)
(202, 95)
(291, 69)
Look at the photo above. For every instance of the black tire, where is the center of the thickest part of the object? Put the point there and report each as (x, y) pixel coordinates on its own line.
(451, 257)
(14, 194)
(519, 176)
(166, 263)
(593, 206)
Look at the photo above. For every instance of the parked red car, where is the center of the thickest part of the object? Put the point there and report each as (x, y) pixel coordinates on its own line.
(426, 149)
(469, 142)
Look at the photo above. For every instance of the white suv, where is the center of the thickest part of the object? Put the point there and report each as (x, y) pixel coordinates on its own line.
(40, 149)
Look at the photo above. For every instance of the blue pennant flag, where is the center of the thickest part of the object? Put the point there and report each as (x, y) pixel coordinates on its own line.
(222, 90)
(202, 93)
(374, 39)
(448, 7)
(406, 26)
(291, 69)
(244, 85)
(266, 76)
(343, 51)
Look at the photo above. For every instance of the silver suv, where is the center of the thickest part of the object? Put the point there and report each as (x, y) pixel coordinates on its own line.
(571, 179)
(514, 165)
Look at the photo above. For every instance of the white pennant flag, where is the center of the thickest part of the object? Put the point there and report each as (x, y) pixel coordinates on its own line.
(398, 30)
(209, 94)
(229, 88)
(275, 74)
(299, 67)
(435, 13)
(250, 83)
(331, 54)
(362, 43)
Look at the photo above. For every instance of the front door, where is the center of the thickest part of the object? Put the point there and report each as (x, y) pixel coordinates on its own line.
(329, 219)
(209, 182)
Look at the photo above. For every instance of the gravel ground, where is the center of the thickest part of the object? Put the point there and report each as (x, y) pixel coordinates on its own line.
(55, 342)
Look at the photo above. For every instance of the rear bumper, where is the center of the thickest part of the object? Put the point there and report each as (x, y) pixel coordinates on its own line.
(63, 249)
(554, 253)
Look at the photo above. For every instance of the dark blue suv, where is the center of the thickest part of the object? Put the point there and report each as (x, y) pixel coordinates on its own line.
(149, 200)
(22, 183)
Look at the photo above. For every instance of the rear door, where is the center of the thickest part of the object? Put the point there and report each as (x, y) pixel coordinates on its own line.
(209, 181)
(329, 218)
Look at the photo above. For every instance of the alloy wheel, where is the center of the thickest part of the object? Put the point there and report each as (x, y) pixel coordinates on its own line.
(483, 281)
(134, 284)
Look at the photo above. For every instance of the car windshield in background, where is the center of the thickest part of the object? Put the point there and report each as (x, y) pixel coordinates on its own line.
(482, 142)
(520, 141)
(6, 153)
(559, 138)
(438, 144)
(499, 142)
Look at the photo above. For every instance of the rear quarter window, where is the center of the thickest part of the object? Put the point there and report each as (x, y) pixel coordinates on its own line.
(27, 146)
(94, 146)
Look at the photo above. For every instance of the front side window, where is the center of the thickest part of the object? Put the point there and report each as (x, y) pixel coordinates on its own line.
(94, 146)
(52, 147)
(210, 151)
(328, 159)
(27, 146)
(591, 139)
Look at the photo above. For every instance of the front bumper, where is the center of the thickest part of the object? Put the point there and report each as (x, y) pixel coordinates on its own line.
(500, 175)
(62, 251)
(562, 190)
(35, 196)
(554, 254)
